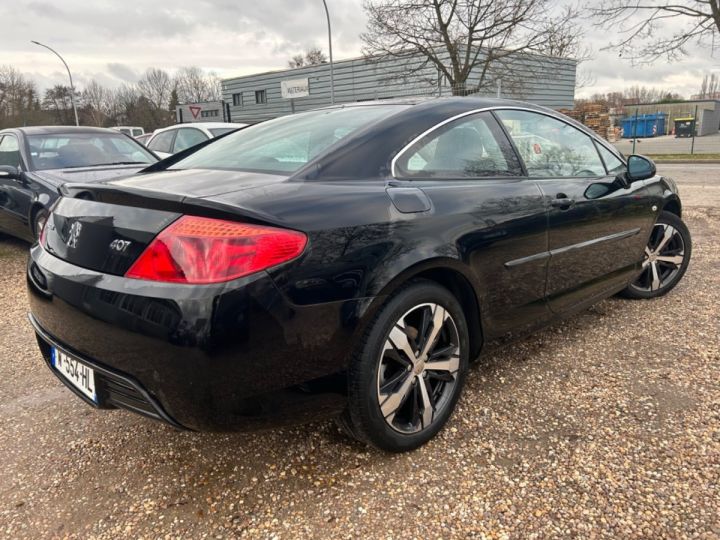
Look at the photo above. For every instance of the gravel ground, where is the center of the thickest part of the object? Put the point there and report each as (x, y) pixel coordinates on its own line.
(607, 425)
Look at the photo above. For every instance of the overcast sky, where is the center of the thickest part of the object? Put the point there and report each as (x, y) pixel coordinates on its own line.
(114, 42)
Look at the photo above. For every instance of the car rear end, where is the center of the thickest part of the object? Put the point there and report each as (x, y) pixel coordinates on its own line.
(150, 304)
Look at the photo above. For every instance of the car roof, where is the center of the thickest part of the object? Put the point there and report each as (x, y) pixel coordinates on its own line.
(469, 102)
(205, 125)
(50, 130)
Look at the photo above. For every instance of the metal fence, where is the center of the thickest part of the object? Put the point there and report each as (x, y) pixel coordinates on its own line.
(660, 133)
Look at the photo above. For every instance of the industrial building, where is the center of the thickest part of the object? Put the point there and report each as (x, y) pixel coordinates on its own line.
(255, 98)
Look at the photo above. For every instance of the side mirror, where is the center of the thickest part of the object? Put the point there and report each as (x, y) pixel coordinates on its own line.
(640, 168)
(9, 172)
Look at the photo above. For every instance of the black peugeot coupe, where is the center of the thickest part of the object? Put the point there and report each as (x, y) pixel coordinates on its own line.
(347, 262)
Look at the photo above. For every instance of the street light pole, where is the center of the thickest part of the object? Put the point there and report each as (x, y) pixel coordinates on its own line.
(72, 88)
(332, 74)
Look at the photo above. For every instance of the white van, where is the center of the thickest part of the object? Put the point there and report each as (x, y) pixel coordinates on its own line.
(133, 131)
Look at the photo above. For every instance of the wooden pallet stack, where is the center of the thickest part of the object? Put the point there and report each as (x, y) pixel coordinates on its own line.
(593, 115)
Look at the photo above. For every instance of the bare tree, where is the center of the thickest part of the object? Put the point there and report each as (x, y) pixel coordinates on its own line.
(97, 102)
(566, 40)
(194, 85)
(710, 87)
(17, 94)
(463, 39)
(642, 24)
(58, 99)
(156, 85)
(313, 57)
(296, 61)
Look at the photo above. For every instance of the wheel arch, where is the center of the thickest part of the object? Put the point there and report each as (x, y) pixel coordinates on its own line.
(450, 274)
(673, 205)
(36, 207)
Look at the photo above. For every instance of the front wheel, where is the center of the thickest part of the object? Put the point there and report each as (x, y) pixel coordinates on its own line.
(667, 256)
(407, 374)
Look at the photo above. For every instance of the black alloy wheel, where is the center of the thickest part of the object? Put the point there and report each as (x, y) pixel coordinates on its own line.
(666, 259)
(409, 371)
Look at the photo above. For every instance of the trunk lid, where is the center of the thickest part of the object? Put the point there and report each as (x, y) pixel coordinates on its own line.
(100, 236)
(105, 227)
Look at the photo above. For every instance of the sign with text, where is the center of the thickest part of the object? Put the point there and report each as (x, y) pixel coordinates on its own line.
(295, 88)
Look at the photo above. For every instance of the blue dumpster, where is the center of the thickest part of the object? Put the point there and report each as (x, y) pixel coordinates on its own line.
(644, 125)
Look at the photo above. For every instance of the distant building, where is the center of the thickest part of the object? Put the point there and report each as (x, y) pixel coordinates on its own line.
(206, 111)
(708, 114)
(255, 98)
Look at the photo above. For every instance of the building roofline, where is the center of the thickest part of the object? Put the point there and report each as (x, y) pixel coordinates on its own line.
(673, 102)
(361, 57)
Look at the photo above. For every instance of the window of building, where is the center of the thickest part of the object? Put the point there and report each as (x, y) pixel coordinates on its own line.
(210, 113)
(237, 100)
(260, 97)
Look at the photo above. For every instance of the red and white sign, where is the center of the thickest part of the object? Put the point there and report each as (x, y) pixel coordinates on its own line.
(195, 110)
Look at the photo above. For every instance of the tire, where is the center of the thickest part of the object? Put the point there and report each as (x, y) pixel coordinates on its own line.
(39, 218)
(666, 259)
(388, 392)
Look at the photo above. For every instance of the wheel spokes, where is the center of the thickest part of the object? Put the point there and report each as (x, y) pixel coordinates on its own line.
(397, 398)
(655, 285)
(671, 259)
(401, 341)
(451, 364)
(428, 410)
(438, 320)
(668, 233)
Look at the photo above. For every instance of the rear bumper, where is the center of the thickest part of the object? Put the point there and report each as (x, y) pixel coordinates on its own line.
(115, 390)
(223, 357)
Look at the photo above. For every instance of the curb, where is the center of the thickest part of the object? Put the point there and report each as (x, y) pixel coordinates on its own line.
(686, 161)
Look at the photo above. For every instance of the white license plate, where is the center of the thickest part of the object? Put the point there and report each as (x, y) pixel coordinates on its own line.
(80, 376)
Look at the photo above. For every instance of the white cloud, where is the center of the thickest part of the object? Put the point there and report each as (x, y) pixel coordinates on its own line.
(115, 42)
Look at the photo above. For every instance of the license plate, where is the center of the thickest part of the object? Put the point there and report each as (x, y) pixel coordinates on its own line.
(78, 374)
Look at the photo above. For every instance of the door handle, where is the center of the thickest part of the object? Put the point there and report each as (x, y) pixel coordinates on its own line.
(562, 201)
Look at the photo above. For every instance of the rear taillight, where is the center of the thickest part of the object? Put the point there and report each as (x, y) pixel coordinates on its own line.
(203, 250)
(42, 239)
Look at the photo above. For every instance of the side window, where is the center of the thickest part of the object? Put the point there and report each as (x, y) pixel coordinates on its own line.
(612, 163)
(137, 132)
(471, 147)
(550, 147)
(163, 142)
(9, 151)
(187, 137)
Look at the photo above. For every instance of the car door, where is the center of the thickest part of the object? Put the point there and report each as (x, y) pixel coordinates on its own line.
(597, 222)
(493, 215)
(187, 137)
(15, 193)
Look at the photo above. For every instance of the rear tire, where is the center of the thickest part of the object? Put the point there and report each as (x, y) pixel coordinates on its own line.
(407, 373)
(667, 257)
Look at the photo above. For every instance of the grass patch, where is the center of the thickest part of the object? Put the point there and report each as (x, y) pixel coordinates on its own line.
(693, 157)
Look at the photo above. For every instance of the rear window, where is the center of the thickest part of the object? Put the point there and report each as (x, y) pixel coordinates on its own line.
(285, 144)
